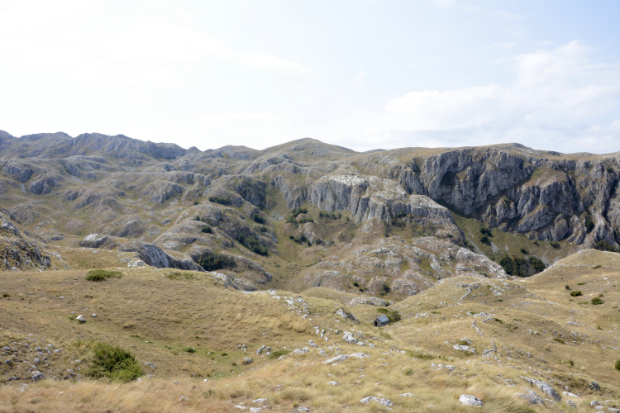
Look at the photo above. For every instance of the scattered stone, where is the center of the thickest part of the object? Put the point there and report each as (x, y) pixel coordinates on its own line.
(37, 375)
(247, 360)
(594, 403)
(93, 315)
(407, 394)
(348, 337)
(260, 401)
(569, 394)
(256, 409)
(573, 405)
(380, 400)
(8, 361)
(594, 386)
(183, 399)
(545, 387)
(532, 397)
(333, 383)
(464, 348)
(81, 319)
(149, 364)
(312, 344)
(470, 400)
(303, 409)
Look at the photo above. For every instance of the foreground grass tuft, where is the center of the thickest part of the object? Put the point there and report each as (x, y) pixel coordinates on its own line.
(114, 363)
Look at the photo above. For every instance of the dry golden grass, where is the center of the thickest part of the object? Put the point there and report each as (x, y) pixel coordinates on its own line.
(144, 311)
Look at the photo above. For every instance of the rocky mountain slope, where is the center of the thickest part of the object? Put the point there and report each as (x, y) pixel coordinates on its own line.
(308, 214)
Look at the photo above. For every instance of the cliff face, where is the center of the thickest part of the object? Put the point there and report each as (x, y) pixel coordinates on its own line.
(183, 206)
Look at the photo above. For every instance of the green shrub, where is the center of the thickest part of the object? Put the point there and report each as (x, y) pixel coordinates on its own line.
(597, 301)
(300, 210)
(486, 231)
(216, 262)
(596, 267)
(567, 287)
(485, 240)
(507, 264)
(559, 340)
(575, 293)
(604, 246)
(524, 251)
(279, 353)
(258, 218)
(617, 365)
(306, 220)
(537, 264)
(189, 350)
(583, 283)
(385, 289)
(102, 275)
(392, 315)
(114, 363)
(220, 200)
(207, 230)
(251, 243)
(555, 244)
(589, 223)
(409, 372)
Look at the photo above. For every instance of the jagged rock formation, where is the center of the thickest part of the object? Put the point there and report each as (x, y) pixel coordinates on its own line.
(18, 250)
(180, 206)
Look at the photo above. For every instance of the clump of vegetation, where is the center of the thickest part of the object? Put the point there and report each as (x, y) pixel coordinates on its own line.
(485, 240)
(328, 215)
(114, 363)
(420, 356)
(279, 353)
(300, 239)
(189, 350)
(603, 245)
(567, 287)
(575, 293)
(258, 218)
(555, 244)
(524, 251)
(617, 365)
(392, 315)
(216, 262)
(597, 301)
(559, 340)
(385, 289)
(102, 275)
(300, 210)
(486, 231)
(589, 223)
(409, 372)
(463, 343)
(220, 200)
(251, 243)
(583, 283)
(596, 267)
(207, 230)
(537, 264)
(306, 220)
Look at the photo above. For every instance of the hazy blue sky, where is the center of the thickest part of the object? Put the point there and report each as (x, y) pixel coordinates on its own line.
(362, 74)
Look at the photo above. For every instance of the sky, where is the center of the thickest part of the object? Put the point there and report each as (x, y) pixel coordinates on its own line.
(364, 74)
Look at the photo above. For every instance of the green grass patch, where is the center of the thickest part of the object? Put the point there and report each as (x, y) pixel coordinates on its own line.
(279, 353)
(575, 293)
(597, 301)
(102, 275)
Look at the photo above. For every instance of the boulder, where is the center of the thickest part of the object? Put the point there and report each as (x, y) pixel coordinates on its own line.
(470, 400)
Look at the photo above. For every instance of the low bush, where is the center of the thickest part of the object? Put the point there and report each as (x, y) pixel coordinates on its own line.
(617, 365)
(559, 340)
(575, 293)
(300, 210)
(189, 350)
(537, 264)
(409, 372)
(420, 356)
(251, 243)
(597, 301)
(258, 218)
(555, 244)
(306, 220)
(207, 230)
(216, 262)
(114, 363)
(524, 251)
(102, 275)
(485, 240)
(219, 200)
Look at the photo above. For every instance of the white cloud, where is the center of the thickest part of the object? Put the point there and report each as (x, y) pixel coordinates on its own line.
(561, 100)
(360, 76)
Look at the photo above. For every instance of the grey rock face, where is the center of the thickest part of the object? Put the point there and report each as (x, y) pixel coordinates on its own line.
(93, 241)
